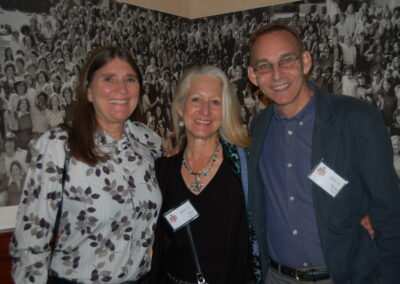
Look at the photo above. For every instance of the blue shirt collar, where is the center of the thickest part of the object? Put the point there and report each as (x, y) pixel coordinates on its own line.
(307, 109)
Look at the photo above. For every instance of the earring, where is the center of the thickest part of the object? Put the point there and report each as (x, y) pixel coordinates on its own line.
(181, 124)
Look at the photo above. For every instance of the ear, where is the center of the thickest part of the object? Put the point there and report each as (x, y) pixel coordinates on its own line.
(307, 62)
(89, 95)
(251, 74)
(179, 112)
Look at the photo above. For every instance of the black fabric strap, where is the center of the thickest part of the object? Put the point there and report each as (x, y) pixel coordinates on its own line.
(199, 274)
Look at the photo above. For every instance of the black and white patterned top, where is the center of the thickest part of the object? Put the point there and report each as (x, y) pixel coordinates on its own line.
(109, 211)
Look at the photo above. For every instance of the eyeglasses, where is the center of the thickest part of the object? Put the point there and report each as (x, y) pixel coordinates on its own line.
(285, 62)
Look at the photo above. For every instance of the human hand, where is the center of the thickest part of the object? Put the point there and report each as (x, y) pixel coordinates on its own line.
(366, 223)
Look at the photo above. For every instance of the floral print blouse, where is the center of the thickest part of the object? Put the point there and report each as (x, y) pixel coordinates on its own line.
(109, 211)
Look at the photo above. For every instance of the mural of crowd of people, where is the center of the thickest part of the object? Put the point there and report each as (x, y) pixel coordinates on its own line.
(354, 45)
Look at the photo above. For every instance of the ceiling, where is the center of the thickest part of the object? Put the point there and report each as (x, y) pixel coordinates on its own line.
(193, 9)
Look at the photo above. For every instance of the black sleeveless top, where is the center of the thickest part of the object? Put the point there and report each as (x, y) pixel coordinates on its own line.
(220, 232)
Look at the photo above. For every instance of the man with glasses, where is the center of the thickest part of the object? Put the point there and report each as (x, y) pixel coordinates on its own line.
(318, 164)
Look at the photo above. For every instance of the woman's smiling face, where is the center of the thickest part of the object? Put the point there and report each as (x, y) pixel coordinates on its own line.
(114, 92)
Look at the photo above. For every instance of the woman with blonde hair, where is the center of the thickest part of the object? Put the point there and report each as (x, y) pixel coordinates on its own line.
(210, 172)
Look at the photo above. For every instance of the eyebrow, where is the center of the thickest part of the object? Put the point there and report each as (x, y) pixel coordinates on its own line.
(114, 74)
(263, 60)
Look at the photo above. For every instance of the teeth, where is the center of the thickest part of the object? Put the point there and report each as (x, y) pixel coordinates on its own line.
(118, 102)
(203, 121)
(280, 87)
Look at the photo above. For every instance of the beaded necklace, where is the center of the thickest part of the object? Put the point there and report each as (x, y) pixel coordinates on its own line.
(197, 186)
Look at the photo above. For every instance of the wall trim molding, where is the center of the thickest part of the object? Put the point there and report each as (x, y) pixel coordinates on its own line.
(193, 9)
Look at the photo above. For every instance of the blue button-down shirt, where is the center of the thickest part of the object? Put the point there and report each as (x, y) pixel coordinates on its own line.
(285, 164)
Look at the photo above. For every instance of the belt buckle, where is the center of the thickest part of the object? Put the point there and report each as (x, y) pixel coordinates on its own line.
(297, 276)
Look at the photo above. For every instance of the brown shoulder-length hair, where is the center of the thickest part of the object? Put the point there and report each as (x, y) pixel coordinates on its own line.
(81, 133)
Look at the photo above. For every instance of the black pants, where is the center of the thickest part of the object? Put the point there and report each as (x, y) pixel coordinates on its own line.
(56, 280)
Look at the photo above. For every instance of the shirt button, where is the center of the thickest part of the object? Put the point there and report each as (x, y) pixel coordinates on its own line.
(291, 198)
(289, 165)
(290, 132)
(301, 123)
(295, 232)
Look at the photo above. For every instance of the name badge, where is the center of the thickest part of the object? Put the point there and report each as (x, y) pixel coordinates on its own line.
(327, 179)
(181, 215)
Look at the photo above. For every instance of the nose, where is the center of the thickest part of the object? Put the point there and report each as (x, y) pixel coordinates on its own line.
(121, 86)
(276, 72)
(205, 108)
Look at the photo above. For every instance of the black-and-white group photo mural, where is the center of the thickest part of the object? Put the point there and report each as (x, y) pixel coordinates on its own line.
(43, 44)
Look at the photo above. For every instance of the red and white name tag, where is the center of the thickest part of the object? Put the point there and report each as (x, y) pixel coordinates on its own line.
(327, 179)
(181, 215)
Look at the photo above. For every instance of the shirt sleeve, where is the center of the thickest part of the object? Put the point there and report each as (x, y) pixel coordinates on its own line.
(380, 179)
(29, 247)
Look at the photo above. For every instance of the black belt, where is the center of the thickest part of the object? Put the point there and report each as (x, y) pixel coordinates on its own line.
(302, 274)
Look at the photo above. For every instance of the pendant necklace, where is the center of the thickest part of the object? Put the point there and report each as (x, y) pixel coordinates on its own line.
(197, 186)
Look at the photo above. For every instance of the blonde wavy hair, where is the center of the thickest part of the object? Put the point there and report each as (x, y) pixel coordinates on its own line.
(231, 128)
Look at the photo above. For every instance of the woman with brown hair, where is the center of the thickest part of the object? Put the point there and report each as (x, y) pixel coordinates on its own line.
(108, 197)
